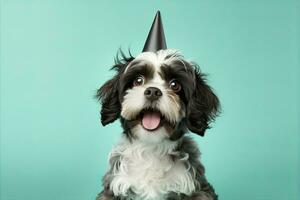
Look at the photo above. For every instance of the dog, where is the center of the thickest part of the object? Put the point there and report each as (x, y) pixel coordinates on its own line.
(158, 97)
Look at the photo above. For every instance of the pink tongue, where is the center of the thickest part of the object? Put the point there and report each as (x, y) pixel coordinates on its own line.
(151, 120)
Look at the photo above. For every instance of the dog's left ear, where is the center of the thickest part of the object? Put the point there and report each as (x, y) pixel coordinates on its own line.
(109, 97)
(203, 106)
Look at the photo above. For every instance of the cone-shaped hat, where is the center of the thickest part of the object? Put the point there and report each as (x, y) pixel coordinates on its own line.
(156, 37)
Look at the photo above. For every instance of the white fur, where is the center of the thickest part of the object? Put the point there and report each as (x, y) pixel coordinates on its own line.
(149, 171)
(133, 103)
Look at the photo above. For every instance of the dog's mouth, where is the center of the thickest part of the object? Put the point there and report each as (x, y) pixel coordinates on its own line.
(151, 119)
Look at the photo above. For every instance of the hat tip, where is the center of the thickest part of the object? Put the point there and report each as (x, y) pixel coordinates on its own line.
(157, 14)
(156, 37)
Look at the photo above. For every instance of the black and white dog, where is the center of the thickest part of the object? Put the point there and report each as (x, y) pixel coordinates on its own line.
(158, 96)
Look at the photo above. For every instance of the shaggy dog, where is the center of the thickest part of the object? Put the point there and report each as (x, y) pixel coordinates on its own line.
(158, 97)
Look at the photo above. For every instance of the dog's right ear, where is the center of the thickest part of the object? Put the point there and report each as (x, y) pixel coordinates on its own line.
(108, 94)
(109, 98)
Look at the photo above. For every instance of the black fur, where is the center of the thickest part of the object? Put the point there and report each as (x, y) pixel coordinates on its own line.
(108, 94)
(203, 105)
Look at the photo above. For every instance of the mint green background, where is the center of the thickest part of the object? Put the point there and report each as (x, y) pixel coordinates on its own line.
(56, 53)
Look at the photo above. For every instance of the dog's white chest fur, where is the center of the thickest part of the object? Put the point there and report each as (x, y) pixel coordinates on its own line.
(149, 171)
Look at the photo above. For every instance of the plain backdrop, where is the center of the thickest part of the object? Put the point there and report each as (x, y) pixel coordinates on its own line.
(56, 53)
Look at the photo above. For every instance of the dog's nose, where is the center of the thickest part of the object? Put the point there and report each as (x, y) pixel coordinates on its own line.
(152, 93)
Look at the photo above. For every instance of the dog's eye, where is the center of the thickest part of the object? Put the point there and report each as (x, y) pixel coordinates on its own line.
(138, 81)
(175, 86)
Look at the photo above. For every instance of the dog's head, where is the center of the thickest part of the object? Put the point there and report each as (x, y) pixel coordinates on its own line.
(158, 96)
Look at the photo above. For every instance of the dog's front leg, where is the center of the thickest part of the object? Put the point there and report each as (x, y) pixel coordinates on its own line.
(106, 195)
(206, 192)
(200, 196)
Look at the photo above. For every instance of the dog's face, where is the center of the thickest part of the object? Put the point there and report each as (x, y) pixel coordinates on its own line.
(158, 96)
